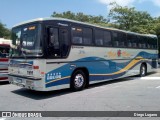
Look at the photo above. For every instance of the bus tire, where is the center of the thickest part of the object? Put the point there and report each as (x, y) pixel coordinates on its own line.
(143, 70)
(78, 80)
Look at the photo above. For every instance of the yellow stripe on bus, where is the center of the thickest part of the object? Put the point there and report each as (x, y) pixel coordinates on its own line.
(131, 64)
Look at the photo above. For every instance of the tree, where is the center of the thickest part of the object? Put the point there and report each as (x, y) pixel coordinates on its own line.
(130, 19)
(4, 32)
(81, 17)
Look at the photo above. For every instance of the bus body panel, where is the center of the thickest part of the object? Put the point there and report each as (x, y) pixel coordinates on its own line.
(101, 69)
(104, 65)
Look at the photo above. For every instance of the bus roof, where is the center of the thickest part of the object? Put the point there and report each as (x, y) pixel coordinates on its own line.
(74, 21)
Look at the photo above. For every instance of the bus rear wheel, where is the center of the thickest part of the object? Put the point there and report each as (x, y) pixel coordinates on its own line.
(143, 70)
(78, 80)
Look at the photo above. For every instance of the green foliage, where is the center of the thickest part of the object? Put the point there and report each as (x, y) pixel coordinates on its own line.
(4, 32)
(82, 17)
(130, 19)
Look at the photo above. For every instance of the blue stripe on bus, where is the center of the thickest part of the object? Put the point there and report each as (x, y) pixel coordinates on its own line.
(107, 67)
(92, 78)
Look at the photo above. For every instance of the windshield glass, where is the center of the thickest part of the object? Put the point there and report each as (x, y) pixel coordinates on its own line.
(26, 41)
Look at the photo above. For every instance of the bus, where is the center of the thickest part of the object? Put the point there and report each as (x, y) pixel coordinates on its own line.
(4, 53)
(54, 53)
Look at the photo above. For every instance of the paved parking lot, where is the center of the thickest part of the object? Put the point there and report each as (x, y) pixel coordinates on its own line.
(127, 94)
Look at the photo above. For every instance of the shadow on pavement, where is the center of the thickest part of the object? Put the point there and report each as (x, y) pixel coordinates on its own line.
(4, 83)
(37, 95)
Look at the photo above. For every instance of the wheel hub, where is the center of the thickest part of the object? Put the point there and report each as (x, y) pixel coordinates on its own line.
(79, 80)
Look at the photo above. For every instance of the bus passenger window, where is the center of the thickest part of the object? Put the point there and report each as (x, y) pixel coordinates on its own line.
(129, 44)
(77, 35)
(116, 43)
(122, 39)
(115, 39)
(143, 42)
(154, 43)
(107, 38)
(99, 37)
(99, 42)
(132, 41)
(87, 36)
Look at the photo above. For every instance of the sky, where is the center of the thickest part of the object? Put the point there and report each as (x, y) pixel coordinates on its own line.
(16, 11)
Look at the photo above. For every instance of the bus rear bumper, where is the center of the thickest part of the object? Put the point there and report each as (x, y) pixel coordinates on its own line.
(26, 83)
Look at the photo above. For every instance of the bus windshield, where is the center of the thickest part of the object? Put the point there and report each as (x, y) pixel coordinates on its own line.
(26, 41)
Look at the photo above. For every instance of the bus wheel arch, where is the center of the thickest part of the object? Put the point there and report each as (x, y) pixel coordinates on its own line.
(83, 72)
(143, 69)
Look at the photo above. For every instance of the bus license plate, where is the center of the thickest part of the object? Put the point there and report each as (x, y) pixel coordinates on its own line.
(29, 83)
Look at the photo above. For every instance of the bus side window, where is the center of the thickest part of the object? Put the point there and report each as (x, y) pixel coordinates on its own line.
(107, 38)
(132, 41)
(122, 39)
(115, 39)
(139, 42)
(155, 43)
(77, 35)
(135, 41)
(99, 37)
(87, 36)
(143, 41)
(129, 41)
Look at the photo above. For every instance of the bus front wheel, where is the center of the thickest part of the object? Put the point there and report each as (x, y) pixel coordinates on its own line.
(78, 80)
(143, 70)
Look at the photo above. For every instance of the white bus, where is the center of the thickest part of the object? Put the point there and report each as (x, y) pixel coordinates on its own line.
(54, 53)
